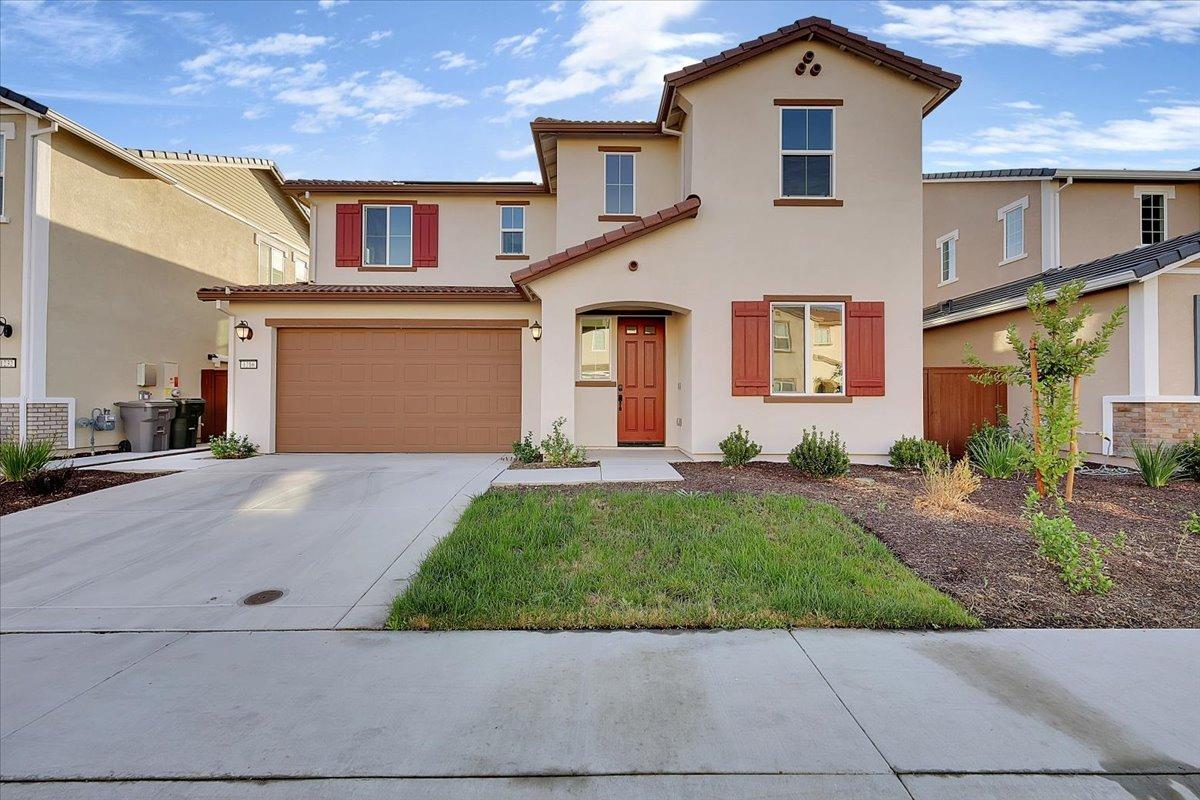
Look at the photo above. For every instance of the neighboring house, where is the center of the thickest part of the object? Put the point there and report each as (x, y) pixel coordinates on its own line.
(1133, 235)
(101, 249)
(751, 256)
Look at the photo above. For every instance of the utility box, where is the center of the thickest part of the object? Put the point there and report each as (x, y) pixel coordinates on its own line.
(147, 374)
(147, 423)
(185, 428)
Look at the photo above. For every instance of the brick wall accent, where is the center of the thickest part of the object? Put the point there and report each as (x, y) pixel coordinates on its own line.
(10, 421)
(47, 421)
(1152, 423)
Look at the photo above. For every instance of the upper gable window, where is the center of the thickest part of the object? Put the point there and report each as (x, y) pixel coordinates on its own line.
(276, 265)
(1013, 218)
(512, 230)
(387, 236)
(947, 247)
(618, 183)
(806, 137)
(1154, 217)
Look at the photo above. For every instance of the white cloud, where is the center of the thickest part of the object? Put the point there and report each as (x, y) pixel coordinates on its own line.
(329, 5)
(1167, 129)
(374, 38)
(523, 175)
(553, 8)
(520, 45)
(270, 150)
(388, 98)
(456, 61)
(624, 47)
(1065, 27)
(1022, 105)
(292, 45)
(254, 112)
(107, 98)
(516, 153)
(70, 32)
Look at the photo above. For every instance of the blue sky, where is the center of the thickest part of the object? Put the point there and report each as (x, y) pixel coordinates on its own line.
(361, 89)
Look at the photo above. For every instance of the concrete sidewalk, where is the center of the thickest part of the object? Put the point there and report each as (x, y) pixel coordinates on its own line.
(811, 714)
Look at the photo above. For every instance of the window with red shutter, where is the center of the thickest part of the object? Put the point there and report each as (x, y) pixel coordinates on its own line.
(348, 244)
(425, 235)
(751, 348)
(864, 350)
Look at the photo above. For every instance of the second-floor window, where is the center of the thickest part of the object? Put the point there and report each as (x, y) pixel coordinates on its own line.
(806, 152)
(947, 247)
(387, 236)
(276, 265)
(301, 271)
(1154, 217)
(1013, 218)
(618, 183)
(512, 230)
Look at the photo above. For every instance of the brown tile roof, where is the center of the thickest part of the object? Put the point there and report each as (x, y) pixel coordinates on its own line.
(811, 28)
(414, 187)
(555, 125)
(319, 291)
(685, 209)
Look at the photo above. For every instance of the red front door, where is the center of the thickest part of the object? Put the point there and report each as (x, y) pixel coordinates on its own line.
(214, 388)
(641, 384)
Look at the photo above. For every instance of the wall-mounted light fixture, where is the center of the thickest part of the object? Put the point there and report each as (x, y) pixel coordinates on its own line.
(243, 331)
(536, 330)
(5, 328)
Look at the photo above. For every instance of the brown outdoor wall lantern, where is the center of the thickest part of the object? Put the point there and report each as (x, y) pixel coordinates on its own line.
(244, 331)
(536, 330)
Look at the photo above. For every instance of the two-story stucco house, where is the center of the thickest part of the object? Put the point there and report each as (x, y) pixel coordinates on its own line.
(1132, 235)
(752, 256)
(101, 249)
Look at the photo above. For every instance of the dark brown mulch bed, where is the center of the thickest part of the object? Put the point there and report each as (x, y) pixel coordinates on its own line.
(544, 465)
(15, 497)
(987, 560)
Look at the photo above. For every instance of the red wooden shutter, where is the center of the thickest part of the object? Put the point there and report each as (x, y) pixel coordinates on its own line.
(425, 235)
(348, 249)
(864, 350)
(751, 348)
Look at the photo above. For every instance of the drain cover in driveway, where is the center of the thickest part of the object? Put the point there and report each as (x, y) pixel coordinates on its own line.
(263, 597)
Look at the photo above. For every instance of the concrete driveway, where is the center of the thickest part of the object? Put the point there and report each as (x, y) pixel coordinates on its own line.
(339, 534)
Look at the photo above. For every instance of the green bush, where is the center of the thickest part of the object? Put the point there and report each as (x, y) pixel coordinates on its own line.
(819, 456)
(1190, 458)
(1159, 465)
(1078, 554)
(525, 451)
(997, 450)
(738, 448)
(1192, 524)
(20, 461)
(230, 445)
(911, 452)
(557, 449)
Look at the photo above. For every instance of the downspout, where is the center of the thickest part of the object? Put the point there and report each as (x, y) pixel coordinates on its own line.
(33, 319)
(312, 238)
(231, 380)
(1058, 221)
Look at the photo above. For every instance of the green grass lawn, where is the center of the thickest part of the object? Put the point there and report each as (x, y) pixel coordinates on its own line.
(604, 559)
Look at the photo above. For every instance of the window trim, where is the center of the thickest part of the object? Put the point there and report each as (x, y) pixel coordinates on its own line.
(808, 345)
(1001, 217)
(8, 130)
(952, 236)
(520, 230)
(412, 235)
(612, 350)
(1167, 193)
(605, 211)
(297, 262)
(832, 153)
(271, 271)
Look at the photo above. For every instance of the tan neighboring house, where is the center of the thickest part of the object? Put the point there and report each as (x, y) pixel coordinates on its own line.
(1132, 235)
(751, 256)
(101, 250)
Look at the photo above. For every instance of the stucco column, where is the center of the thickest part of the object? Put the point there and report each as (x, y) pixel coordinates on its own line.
(558, 366)
(1143, 338)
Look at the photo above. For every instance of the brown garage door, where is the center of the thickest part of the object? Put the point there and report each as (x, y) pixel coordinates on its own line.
(371, 390)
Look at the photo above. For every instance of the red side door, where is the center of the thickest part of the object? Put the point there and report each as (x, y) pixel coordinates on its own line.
(214, 385)
(641, 383)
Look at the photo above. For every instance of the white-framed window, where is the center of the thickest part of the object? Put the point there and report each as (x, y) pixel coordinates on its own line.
(301, 271)
(814, 362)
(947, 247)
(1153, 203)
(275, 263)
(595, 349)
(619, 183)
(387, 236)
(512, 230)
(1013, 218)
(7, 131)
(806, 149)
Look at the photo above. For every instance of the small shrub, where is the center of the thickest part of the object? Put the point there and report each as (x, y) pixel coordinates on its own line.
(1078, 554)
(20, 461)
(820, 457)
(230, 445)
(1159, 465)
(557, 449)
(911, 452)
(947, 486)
(1192, 524)
(738, 448)
(998, 457)
(525, 451)
(50, 481)
(1189, 456)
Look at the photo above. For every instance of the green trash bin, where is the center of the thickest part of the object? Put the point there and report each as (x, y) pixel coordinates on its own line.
(185, 428)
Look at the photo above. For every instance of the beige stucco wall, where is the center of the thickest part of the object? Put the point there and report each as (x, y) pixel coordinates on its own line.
(11, 242)
(252, 391)
(581, 183)
(742, 247)
(970, 208)
(1176, 334)
(127, 254)
(468, 241)
(1099, 219)
(943, 347)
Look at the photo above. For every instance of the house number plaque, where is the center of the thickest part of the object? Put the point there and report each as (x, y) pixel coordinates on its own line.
(247, 363)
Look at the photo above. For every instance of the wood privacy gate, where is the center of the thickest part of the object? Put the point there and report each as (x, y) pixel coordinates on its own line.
(954, 405)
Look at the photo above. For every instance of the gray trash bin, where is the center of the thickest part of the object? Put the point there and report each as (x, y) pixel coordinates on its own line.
(147, 423)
